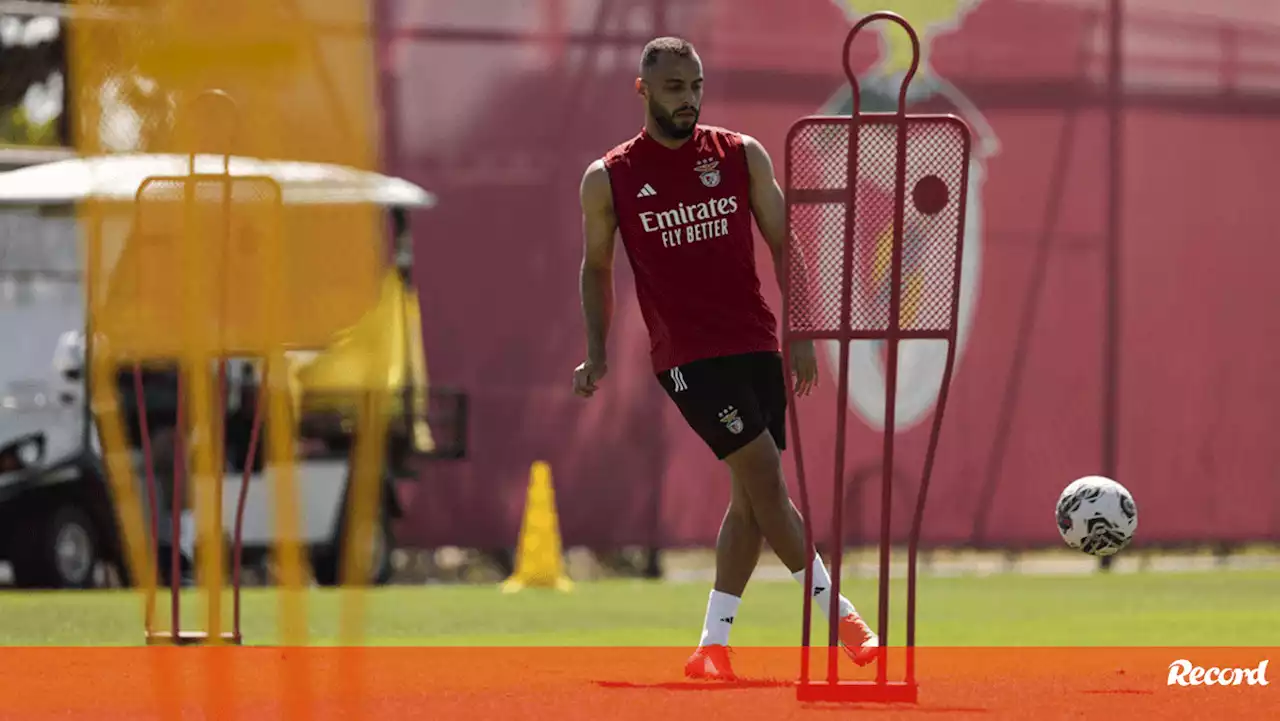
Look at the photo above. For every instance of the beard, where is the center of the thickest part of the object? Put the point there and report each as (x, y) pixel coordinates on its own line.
(668, 124)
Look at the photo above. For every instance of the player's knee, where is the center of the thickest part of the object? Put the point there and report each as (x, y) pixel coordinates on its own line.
(741, 513)
(739, 499)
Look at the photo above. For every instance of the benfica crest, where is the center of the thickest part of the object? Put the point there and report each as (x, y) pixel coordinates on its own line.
(731, 420)
(709, 174)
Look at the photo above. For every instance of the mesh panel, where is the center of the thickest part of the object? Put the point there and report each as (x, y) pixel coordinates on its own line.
(821, 224)
(314, 261)
(157, 303)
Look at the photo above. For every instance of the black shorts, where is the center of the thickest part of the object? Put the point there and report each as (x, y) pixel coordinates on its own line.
(729, 401)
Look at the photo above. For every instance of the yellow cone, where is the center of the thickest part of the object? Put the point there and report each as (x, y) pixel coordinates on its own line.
(539, 556)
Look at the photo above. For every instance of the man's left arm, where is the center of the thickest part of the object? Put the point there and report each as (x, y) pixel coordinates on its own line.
(770, 210)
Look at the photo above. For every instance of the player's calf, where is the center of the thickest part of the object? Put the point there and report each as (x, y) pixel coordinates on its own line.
(757, 470)
(737, 551)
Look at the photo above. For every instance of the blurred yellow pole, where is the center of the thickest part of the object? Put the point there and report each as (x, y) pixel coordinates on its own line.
(119, 470)
(368, 465)
(281, 469)
(197, 354)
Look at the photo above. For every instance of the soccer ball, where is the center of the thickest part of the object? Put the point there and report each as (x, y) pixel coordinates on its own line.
(1096, 515)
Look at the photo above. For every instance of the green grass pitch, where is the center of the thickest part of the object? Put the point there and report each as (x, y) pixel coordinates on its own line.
(1220, 608)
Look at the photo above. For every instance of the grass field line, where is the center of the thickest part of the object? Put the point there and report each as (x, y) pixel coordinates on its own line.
(688, 570)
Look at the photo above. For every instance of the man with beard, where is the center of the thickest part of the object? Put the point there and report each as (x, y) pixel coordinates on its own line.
(682, 196)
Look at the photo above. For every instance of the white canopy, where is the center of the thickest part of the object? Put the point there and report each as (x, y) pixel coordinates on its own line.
(118, 177)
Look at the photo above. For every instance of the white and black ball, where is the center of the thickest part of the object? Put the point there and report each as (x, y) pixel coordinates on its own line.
(1097, 516)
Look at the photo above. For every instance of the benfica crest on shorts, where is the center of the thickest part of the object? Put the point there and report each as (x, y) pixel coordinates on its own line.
(709, 174)
(729, 417)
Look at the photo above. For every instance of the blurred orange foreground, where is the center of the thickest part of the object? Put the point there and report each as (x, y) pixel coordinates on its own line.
(604, 683)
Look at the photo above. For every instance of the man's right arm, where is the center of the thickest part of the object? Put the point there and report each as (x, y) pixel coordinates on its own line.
(599, 224)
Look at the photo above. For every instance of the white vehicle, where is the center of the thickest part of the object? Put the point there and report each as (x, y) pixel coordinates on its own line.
(58, 526)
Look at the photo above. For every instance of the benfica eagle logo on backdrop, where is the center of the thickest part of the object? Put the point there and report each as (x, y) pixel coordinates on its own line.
(920, 362)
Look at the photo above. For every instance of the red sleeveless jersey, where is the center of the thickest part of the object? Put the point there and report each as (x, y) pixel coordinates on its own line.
(685, 220)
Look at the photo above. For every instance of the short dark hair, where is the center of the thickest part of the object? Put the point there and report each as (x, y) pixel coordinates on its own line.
(656, 47)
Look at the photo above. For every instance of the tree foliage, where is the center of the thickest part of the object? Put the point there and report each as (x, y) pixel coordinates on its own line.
(24, 65)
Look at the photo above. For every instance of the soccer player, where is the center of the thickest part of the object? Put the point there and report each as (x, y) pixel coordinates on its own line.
(682, 196)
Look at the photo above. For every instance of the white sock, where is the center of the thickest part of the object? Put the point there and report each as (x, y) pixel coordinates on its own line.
(820, 591)
(187, 534)
(721, 608)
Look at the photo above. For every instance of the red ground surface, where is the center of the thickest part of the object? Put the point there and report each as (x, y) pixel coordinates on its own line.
(593, 683)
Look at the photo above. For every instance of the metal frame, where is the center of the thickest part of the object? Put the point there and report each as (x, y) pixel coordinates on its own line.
(397, 196)
(882, 689)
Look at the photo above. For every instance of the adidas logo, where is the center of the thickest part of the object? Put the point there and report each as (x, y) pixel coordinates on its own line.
(728, 620)
(817, 590)
(646, 192)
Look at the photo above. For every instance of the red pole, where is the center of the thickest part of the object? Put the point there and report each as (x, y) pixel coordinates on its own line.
(387, 43)
(148, 468)
(179, 492)
(1115, 197)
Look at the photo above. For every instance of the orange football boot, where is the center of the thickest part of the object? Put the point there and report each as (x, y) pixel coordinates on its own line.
(710, 662)
(859, 641)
